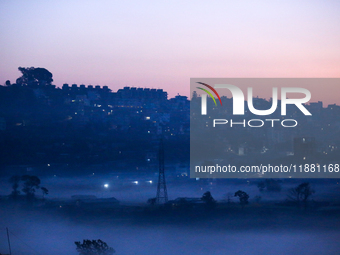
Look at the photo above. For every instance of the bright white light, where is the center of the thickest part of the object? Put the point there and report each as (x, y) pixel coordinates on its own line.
(150, 181)
(135, 182)
(106, 185)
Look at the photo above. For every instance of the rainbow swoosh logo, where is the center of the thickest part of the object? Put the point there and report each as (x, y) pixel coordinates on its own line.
(208, 86)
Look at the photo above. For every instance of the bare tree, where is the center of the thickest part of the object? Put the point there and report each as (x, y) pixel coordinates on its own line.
(301, 194)
(228, 197)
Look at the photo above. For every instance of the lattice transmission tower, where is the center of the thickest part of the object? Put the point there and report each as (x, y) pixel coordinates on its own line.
(162, 193)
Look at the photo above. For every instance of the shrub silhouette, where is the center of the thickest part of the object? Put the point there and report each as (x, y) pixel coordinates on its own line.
(210, 202)
(94, 247)
(243, 196)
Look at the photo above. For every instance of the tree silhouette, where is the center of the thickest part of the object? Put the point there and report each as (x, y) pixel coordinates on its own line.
(44, 191)
(94, 247)
(15, 179)
(210, 202)
(301, 193)
(31, 183)
(271, 185)
(243, 196)
(261, 185)
(228, 197)
(34, 77)
(152, 201)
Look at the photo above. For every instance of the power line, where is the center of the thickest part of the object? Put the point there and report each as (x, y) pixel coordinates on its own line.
(25, 243)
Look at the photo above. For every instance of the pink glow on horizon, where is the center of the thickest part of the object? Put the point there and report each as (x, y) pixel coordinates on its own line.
(163, 45)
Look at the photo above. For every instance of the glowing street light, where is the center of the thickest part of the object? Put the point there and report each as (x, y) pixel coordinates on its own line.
(106, 185)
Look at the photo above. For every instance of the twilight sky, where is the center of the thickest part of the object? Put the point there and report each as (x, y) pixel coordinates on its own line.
(162, 44)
